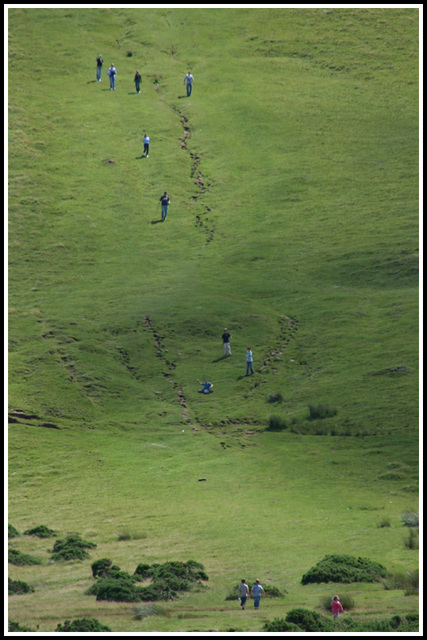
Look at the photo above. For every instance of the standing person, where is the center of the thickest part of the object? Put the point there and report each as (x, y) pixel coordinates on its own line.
(137, 80)
(256, 591)
(112, 74)
(226, 342)
(337, 607)
(249, 360)
(165, 202)
(243, 590)
(146, 145)
(206, 386)
(189, 81)
(99, 62)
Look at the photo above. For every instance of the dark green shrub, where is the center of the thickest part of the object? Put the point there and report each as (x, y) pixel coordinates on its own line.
(344, 568)
(321, 411)
(41, 532)
(17, 587)
(72, 548)
(12, 532)
(116, 589)
(143, 571)
(280, 624)
(167, 580)
(15, 627)
(309, 620)
(21, 559)
(83, 624)
(103, 568)
(277, 424)
(157, 590)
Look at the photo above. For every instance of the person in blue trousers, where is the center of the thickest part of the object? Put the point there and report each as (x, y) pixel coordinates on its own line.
(165, 202)
(189, 81)
(99, 62)
(112, 74)
(249, 360)
(256, 591)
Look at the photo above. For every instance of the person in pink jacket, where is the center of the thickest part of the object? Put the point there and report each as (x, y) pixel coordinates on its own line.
(336, 607)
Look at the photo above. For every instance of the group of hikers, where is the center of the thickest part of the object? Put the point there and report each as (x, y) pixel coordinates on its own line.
(244, 592)
(112, 73)
(207, 387)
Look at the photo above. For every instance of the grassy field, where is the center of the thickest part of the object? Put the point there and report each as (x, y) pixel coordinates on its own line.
(293, 176)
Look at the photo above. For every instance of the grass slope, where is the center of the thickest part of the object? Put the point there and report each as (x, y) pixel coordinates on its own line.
(293, 177)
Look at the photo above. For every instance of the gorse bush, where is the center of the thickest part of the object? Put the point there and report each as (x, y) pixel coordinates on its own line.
(15, 627)
(303, 620)
(72, 548)
(280, 624)
(167, 580)
(21, 559)
(91, 625)
(17, 587)
(344, 568)
(309, 620)
(12, 532)
(41, 532)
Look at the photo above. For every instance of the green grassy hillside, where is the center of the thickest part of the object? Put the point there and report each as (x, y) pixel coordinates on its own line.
(293, 176)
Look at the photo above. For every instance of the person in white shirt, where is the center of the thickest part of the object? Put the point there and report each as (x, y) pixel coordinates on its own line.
(189, 81)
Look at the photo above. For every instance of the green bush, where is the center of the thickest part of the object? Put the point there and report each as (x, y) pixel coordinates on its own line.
(167, 580)
(309, 620)
(280, 624)
(21, 559)
(277, 424)
(92, 625)
(143, 571)
(72, 548)
(41, 532)
(17, 587)
(103, 568)
(15, 627)
(12, 532)
(321, 411)
(344, 568)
